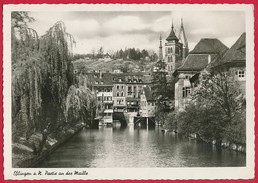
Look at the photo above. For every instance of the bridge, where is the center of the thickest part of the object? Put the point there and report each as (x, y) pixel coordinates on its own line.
(120, 117)
(144, 121)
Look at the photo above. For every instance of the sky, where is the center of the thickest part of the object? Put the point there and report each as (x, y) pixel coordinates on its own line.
(115, 30)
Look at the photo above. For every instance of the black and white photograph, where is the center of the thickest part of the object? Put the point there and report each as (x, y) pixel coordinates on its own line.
(144, 91)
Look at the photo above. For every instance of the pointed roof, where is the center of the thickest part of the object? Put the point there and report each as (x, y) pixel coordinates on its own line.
(208, 46)
(172, 35)
(182, 35)
(236, 54)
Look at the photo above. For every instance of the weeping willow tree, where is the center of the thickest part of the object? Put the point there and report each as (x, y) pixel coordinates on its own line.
(56, 49)
(44, 92)
(41, 75)
(27, 76)
(80, 105)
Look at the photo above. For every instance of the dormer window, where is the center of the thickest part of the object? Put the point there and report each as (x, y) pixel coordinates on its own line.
(120, 80)
(96, 82)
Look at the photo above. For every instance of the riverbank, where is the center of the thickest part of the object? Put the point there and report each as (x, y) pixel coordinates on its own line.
(23, 150)
(224, 144)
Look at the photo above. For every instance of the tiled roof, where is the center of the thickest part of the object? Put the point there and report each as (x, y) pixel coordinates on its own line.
(147, 78)
(100, 78)
(118, 76)
(209, 45)
(196, 62)
(148, 94)
(236, 54)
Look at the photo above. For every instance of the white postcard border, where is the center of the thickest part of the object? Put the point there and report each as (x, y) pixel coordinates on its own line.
(132, 173)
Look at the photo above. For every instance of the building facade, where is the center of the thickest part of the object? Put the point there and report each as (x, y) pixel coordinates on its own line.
(147, 105)
(119, 92)
(203, 54)
(102, 84)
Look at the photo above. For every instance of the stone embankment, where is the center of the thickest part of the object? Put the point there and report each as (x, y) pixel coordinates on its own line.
(25, 150)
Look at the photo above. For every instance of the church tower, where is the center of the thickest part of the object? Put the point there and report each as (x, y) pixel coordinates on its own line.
(173, 51)
(183, 40)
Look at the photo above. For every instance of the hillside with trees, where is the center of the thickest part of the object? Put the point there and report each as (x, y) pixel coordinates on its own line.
(125, 60)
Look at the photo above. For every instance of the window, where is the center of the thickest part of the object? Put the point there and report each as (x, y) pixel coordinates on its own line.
(169, 50)
(117, 94)
(117, 87)
(120, 80)
(122, 87)
(122, 94)
(186, 92)
(169, 59)
(241, 73)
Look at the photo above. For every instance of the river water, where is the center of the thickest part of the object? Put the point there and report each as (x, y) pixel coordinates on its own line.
(130, 147)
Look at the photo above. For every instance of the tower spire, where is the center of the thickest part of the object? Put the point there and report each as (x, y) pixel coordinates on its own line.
(160, 49)
(183, 39)
(172, 35)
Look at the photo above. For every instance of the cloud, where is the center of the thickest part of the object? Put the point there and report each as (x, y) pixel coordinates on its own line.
(125, 23)
(81, 28)
(141, 29)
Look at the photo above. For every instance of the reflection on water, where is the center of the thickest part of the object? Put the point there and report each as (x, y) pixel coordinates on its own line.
(129, 147)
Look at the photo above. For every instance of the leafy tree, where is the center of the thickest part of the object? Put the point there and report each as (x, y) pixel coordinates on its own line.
(162, 91)
(80, 105)
(217, 110)
(100, 52)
